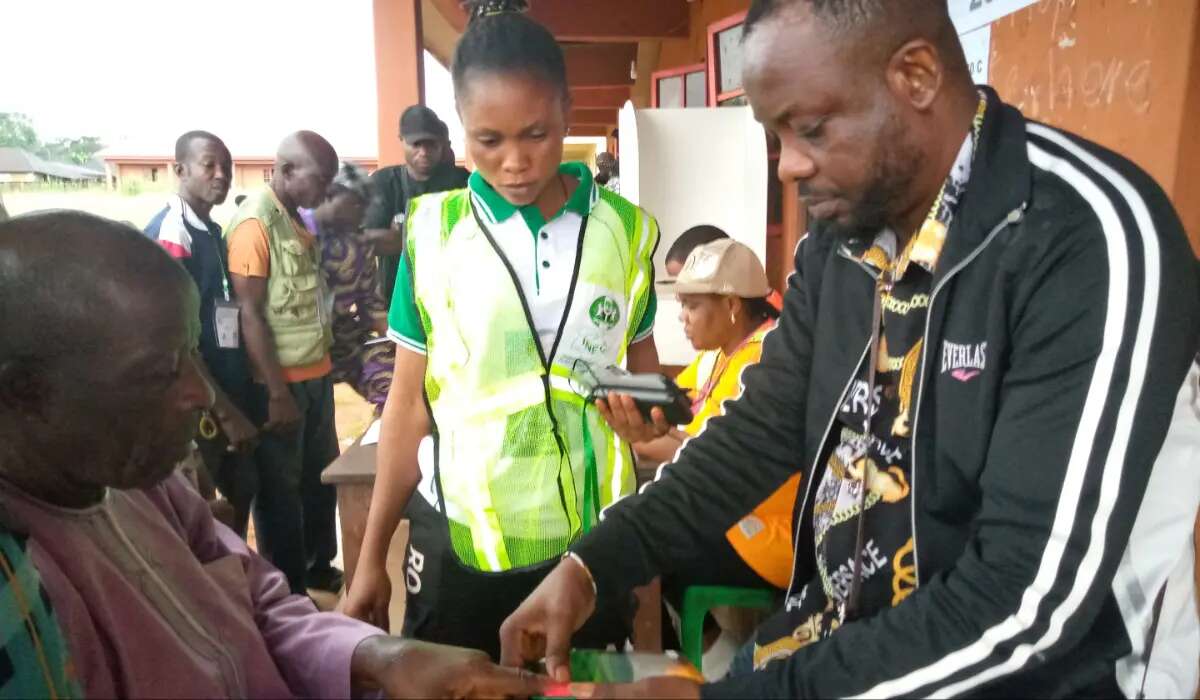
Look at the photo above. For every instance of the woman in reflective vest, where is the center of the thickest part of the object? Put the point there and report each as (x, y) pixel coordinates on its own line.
(507, 292)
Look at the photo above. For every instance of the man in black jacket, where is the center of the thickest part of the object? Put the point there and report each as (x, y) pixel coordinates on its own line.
(425, 170)
(978, 373)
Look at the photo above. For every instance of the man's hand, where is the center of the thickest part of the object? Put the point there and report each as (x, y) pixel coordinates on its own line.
(622, 414)
(282, 413)
(238, 430)
(406, 668)
(657, 687)
(542, 626)
(369, 596)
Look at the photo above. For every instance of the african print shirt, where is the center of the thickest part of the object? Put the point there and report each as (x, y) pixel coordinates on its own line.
(34, 662)
(351, 274)
(888, 573)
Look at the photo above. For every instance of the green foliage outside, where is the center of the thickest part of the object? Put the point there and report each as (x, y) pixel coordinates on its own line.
(16, 130)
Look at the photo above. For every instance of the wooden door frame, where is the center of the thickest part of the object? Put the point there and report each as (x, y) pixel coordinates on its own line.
(715, 98)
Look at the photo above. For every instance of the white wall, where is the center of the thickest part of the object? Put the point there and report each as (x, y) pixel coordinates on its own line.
(689, 167)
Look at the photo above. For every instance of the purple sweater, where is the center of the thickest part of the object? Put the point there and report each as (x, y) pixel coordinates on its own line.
(156, 599)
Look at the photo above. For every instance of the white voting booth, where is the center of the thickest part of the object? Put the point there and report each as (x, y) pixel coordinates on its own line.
(688, 167)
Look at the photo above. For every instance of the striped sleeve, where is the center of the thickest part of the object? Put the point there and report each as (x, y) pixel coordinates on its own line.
(173, 235)
(1086, 400)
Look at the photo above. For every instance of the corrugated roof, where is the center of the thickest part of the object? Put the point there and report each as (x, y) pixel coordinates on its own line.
(18, 160)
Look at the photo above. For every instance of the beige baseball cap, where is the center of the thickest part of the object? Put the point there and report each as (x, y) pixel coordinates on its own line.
(724, 267)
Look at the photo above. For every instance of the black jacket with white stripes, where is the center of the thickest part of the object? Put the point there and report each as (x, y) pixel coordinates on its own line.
(1053, 494)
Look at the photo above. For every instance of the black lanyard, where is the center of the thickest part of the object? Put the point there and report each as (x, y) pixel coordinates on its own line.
(884, 284)
(861, 455)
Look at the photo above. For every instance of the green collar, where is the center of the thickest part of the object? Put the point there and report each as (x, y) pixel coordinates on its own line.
(495, 208)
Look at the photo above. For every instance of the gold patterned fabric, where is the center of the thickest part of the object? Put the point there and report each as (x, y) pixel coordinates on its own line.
(879, 459)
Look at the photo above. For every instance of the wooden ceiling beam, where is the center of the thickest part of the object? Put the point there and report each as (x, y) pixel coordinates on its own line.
(600, 65)
(453, 12)
(613, 20)
(591, 130)
(606, 115)
(597, 20)
(439, 36)
(591, 97)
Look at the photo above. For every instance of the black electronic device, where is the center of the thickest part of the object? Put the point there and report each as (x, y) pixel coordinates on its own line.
(647, 390)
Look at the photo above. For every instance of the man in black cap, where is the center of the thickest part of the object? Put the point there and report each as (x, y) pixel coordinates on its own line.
(425, 139)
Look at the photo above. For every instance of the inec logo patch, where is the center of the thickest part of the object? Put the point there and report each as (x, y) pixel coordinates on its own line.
(604, 312)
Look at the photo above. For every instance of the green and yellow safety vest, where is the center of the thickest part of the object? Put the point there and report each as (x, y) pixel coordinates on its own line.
(522, 464)
(296, 291)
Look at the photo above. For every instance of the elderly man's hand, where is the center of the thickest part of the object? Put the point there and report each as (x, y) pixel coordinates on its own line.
(406, 668)
(623, 416)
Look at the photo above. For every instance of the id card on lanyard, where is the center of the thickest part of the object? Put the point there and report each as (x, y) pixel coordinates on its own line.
(226, 313)
(226, 322)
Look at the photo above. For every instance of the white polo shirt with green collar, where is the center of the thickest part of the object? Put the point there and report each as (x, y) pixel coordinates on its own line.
(508, 308)
(542, 255)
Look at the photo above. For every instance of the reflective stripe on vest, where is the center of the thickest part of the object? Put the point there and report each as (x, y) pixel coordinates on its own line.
(510, 450)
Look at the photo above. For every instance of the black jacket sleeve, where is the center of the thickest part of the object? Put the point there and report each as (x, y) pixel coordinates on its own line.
(720, 476)
(1101, 338)
(384, 204)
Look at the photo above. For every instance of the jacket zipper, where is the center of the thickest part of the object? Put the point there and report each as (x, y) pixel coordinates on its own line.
(828, 426)
(812, 472)
(1013, 217)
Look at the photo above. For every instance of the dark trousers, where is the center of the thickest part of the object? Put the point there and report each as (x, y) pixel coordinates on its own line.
(449, 603)
(235, 475)
(295, 514)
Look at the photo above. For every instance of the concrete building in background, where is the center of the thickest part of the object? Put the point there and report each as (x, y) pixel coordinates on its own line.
(149, 163)
(19, 168)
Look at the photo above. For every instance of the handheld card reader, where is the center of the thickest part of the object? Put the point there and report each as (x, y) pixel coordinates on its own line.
(647, 390)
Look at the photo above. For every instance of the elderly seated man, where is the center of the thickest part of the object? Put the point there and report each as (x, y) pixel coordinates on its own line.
(99, 396)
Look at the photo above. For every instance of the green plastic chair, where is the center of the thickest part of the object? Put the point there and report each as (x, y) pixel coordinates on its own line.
(698, 600)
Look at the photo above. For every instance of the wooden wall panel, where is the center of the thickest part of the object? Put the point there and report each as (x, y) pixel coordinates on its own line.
(1123, 74)
(694, 49)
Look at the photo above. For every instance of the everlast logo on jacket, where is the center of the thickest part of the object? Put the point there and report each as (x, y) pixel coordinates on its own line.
(1041, 514)
(964, 362)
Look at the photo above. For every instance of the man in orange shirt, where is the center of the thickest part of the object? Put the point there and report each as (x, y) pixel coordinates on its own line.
(285, 316)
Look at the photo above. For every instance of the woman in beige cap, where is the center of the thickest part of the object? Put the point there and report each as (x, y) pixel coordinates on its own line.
(723, 291)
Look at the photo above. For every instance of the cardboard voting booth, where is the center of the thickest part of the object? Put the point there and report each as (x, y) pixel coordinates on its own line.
(689, 167)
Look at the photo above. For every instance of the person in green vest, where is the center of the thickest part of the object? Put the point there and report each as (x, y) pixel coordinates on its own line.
(508, 290)
(286, 316)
